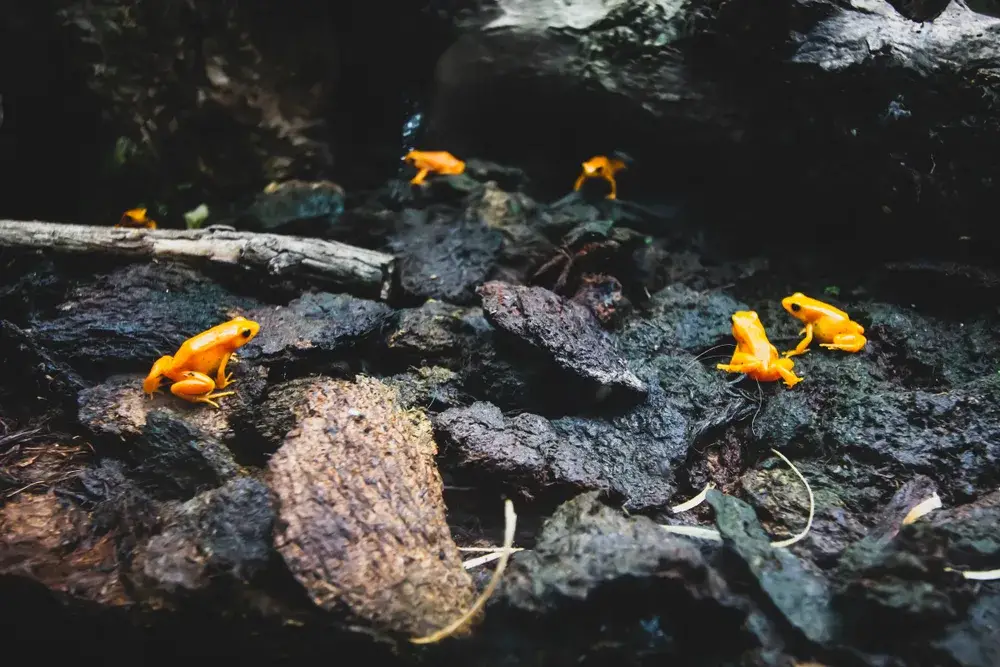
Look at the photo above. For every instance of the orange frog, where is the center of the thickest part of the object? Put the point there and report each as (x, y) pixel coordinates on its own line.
(754, 353)
(440, 162)
(198, 358)
(136, 217)
(601, 166)
(832, 326)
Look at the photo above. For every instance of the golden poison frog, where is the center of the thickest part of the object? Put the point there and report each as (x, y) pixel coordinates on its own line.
(755, 355)
(831, 326)
(198, 358)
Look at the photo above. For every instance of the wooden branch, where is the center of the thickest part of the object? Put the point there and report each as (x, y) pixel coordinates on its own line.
(359, 271)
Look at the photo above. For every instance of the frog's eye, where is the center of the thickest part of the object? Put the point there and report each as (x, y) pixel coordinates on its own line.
(245, 333)
(796, 307)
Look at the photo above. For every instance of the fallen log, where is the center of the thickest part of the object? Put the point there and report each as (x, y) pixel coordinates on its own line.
(359, 271)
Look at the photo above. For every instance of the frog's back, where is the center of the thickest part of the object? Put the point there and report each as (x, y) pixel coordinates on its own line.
(200, 352)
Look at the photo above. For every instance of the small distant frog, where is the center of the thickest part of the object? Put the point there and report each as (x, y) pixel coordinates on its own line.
(136, 217)
(830, 325)
(199, 357)
(439, 162)
(601, 166)
(754, 353)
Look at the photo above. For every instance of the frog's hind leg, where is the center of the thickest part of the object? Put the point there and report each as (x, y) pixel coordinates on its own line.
(801, 348)
(614, 187)
(848, 342)
(786, 373)
(197, 388)
(209, 397)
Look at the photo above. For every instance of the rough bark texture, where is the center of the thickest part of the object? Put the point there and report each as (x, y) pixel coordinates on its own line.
(361, 516)
(358, 270)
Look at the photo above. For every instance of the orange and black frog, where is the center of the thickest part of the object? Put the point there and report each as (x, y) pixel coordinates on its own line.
(136, 217)
(601, 166)
(198, 358)
(438, 162)
(755, 355)
(831, 326)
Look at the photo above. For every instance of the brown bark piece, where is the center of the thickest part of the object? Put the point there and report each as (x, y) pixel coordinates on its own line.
(45, 539)
(361, 518)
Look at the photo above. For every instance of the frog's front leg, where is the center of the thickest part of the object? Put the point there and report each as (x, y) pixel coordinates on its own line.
(848, 342)
(784, 369)
(419, 178)
(803, 344)
(151, 384)
(197, 388)
(222, 380)
(614, 187)
(740, 363)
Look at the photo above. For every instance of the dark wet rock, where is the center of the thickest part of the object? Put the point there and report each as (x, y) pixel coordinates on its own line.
(118, 501)
(635, 454)
(445, 255)
(118, 409)
(304, 208)
(31, 284)
(974, 641)
(905, 580)
(687, 81)
(692, 320)
(524, 449)
(41, 376)
(893, 409)
(508, 178)
(313, 331)
(602, 295)
(586, 545)
(947, 436)
(498, 372)
(285, 403)
(433, 333)
(430, 388)
(888, 521)
(562, 217)
(589, 557)
(601, 246)
(178, 459)
(516, 217)
(780, 494)
(966, 530)
(125, 320)
(802, 597)
(445, 189)
(932, 352)
(929, 286)
(565, 331)
(679, 321)
(620, 48)
(361, 519)
(220, 533)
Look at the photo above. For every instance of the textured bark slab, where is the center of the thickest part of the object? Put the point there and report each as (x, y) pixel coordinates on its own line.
(361, 519)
